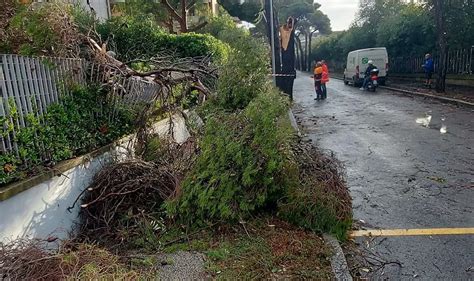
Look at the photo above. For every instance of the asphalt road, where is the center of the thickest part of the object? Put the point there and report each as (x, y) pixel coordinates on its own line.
(410, 165)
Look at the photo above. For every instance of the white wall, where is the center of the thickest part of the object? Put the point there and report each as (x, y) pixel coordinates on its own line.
(101, 8)
(42, 211)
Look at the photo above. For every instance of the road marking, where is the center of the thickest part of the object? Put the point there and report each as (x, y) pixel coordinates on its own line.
(412, 232)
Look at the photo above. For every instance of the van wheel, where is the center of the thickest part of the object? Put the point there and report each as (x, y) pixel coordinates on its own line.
(345, 81)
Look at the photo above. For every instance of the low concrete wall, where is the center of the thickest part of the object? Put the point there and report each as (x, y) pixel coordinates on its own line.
(42, 206)
(43, 209)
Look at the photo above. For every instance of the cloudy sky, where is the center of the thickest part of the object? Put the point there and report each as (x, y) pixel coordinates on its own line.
(340, 12)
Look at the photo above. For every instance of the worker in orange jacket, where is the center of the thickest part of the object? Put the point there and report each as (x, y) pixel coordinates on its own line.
(324, 79)
(318, 73)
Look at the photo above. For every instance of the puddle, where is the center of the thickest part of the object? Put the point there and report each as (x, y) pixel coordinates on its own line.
(424, 121)
(443, 129)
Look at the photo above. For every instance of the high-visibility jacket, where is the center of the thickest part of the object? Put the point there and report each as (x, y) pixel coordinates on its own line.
(318, 73)
(325, 74)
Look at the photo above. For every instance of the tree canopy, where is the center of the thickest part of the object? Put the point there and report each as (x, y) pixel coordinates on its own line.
(405, 29)
(165, 12)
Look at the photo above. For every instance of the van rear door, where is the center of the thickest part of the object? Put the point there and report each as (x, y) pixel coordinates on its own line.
(378, 56)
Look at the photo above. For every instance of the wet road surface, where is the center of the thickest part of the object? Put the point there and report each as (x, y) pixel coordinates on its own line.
(410, 165)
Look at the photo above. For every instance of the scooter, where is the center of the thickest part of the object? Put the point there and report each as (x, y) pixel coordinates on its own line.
(373, 81)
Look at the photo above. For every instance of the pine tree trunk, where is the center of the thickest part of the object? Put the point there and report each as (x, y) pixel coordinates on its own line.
(297, 64)
(300, 51)
(310, 50)
(306, 62)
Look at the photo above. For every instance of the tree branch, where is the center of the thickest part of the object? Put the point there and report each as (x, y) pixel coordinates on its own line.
(190, 4)
(168, 69)
(199, 26)
(171, 10)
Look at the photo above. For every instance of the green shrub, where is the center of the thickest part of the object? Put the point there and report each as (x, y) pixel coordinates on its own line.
(45, 29)
(218, 26)
(133, 38)
(244, 75)
(242, 164)
(78, 124)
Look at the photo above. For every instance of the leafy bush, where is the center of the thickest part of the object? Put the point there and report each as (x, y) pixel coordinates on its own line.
(133, 38)
(242, 165)
(78, 124)
(244, 74)
(218, 26)
(45, 29)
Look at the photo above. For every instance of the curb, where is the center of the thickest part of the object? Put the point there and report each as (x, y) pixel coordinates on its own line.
(293, 122)
(444, 99)
(412, 93)
(338, 260)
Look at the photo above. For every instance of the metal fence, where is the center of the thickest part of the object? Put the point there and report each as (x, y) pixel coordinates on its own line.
(29, 85)
(459, 62)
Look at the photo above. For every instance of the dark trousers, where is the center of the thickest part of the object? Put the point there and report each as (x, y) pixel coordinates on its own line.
(366, 81)
(319, 91)
(324, 90)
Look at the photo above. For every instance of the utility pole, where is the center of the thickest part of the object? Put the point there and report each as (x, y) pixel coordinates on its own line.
(272, 39)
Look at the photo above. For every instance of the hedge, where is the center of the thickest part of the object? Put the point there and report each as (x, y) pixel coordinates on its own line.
(136, 38)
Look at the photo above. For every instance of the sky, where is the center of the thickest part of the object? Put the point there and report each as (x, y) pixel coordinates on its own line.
(340, 12)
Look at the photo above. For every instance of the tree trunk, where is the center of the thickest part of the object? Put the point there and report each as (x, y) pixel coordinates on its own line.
(286, 82)
(184, 17)
(306, 62)
(297, 51)
(439, 7)
(310, 50)
(300, 51)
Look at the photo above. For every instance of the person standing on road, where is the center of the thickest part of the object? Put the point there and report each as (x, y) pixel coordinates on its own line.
(429, 69)
(324, 79)
(318, 74)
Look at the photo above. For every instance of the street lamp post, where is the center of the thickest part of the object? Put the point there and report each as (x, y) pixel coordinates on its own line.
(272, 43)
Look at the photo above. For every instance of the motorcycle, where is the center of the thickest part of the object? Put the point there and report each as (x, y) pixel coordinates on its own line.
(373, 81)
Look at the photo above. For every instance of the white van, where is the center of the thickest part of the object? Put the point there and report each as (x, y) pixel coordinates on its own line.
(357, 64)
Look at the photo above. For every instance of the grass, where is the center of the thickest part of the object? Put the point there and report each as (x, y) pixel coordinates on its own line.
(264, 248)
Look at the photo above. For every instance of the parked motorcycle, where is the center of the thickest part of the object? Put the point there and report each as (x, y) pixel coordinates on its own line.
(373, 81)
